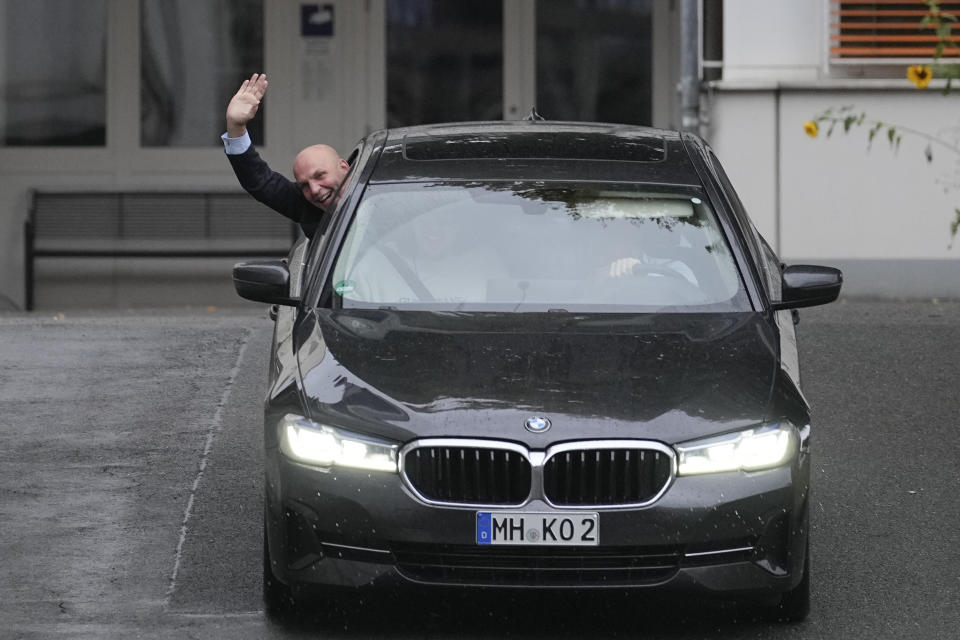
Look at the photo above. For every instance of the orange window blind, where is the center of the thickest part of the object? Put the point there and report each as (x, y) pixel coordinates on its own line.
(887, 29)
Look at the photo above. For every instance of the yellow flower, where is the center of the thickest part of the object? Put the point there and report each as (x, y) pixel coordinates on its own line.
(811, 128)
(920, 75)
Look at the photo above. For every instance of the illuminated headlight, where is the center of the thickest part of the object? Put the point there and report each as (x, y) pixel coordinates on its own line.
(750, 450)
(323, 446)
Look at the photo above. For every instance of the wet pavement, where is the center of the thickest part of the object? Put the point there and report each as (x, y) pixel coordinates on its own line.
(130, 490)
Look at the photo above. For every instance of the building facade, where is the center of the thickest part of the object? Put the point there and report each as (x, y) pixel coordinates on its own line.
(880, 211)
(129, 95)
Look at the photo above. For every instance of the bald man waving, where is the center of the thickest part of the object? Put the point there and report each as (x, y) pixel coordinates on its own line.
(319, 170)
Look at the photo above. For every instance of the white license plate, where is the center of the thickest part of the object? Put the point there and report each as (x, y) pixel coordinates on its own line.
(543, 529)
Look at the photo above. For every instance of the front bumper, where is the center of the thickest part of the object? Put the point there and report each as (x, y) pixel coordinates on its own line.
(733, 533)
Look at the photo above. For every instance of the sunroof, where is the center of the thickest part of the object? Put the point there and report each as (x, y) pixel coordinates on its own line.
(536, 145)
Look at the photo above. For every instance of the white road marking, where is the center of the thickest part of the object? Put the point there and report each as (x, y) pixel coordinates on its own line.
(215, 426)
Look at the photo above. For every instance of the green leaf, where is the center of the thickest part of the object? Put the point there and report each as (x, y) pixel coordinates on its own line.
(955, 225)
(891, 134)
(939, 52)
(847, 122)
(943, 31)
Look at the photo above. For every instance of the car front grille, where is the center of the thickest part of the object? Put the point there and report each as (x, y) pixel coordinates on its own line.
(468, 474)
(530, 567)
(605, 476)
(585, 474)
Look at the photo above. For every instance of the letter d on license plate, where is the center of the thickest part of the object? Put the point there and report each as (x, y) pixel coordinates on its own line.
(544, 529)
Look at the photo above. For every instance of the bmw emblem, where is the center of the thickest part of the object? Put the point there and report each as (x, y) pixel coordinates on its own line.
(537, 424)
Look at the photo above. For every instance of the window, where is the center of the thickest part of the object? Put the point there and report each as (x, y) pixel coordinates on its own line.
(536, 247)
(444, 61)
(53, 72)
(193, 56)
(881, 30)
(593, 60)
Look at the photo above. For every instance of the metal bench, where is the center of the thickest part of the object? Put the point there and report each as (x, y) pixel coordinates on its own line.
(158, 224)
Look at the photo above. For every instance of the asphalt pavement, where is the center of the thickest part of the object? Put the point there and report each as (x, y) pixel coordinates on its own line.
(130, 490)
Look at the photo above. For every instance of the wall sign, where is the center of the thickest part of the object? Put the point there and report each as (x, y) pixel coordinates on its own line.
(316, 20)
(318, 78)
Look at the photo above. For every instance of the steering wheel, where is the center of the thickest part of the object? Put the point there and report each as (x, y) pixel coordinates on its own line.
(664, 286)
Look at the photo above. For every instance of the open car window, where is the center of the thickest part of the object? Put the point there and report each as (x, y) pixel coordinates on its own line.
(536, 247)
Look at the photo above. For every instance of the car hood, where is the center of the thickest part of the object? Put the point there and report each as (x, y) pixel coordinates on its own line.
(667, 377)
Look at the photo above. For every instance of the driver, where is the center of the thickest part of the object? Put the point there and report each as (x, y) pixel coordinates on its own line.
(648, 254)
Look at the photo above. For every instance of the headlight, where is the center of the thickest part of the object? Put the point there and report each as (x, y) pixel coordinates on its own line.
(320, 445)
(749, 450)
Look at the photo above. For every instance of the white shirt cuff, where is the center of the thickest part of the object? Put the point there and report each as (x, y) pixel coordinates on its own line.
(236, 146)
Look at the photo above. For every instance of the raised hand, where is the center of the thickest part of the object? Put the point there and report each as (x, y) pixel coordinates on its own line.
(245, 103)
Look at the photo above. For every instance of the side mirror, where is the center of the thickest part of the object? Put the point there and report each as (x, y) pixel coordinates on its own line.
(264, 281)
(807, 285)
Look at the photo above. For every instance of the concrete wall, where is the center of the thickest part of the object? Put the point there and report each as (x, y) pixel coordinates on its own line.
(777, 40)
(882, 214)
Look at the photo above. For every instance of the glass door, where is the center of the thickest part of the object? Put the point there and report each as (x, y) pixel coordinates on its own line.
(594, 60)
(444, 61)
(449, 61)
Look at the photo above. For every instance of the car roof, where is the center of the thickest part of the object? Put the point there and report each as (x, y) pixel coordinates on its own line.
(537, 150)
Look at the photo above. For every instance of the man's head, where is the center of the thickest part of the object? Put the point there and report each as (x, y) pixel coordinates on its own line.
(438, 234)
(319, 172)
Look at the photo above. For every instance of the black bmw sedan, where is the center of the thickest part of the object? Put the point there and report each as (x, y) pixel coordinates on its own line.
(537, 354)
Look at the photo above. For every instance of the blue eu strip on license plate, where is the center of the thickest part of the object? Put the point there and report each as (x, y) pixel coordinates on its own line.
(544, 529)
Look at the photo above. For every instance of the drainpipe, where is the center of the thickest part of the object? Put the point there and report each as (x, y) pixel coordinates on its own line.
(711, 62)
(711, 20)
(690, 66)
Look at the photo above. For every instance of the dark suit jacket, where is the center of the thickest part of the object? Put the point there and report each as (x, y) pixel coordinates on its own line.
(277, 192)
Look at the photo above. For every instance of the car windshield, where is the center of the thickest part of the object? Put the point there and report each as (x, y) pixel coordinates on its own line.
(536, 247)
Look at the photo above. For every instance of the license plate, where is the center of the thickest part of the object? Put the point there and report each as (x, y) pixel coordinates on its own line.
(543, 529)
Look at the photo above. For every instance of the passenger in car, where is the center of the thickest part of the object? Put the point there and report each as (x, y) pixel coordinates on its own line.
(438, 256)
(318, 169)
